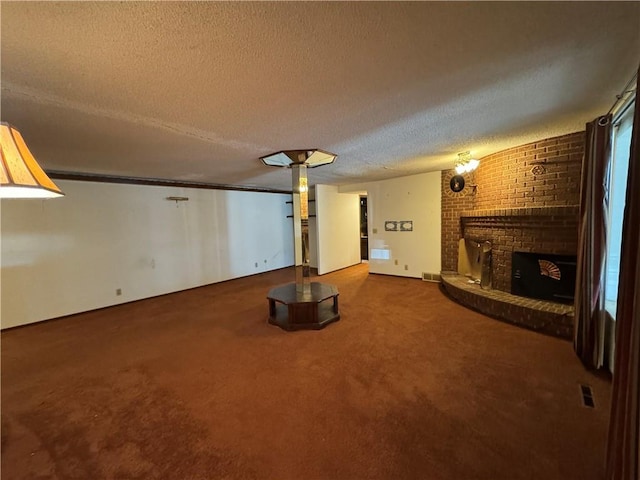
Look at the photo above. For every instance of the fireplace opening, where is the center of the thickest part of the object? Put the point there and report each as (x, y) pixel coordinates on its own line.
(543, 276)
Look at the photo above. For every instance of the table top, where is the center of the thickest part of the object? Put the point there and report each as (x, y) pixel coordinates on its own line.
(288, 294)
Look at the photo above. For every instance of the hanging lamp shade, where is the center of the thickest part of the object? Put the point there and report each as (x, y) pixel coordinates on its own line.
(465, 163)
(311, 158)
(20, 174)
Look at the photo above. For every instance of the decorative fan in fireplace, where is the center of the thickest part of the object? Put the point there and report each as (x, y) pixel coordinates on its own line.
(549, 269)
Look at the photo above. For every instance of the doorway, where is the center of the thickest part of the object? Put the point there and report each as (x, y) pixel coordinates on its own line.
(364, 229)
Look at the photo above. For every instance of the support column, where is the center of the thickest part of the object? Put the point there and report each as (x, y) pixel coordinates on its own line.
(301, 305)
(301, 228)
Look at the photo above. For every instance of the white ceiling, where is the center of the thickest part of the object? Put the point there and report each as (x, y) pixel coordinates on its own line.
(199, 91)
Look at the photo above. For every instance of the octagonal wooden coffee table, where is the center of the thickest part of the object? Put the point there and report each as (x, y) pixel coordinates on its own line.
(292, 310)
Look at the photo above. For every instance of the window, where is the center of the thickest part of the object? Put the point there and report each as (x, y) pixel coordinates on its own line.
(617, 193)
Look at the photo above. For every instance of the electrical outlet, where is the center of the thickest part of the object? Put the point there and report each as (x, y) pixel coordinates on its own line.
(396, 262)
(265, 260)
(256, 264)
(374, 230)
(118, 291)
(406, 267)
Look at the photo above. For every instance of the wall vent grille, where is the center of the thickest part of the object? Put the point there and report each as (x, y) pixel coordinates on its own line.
(587, 396)
(430, 277)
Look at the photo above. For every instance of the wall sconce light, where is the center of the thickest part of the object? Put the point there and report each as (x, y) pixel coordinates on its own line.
(20, 174)
(465, 163)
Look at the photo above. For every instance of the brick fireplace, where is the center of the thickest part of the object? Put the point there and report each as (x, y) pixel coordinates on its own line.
(551, 230)
(524, 199)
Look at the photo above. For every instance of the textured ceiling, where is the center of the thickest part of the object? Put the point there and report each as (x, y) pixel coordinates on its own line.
(199, 91)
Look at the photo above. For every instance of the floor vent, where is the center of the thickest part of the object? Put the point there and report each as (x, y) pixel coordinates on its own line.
(587, 396)
(430, 277)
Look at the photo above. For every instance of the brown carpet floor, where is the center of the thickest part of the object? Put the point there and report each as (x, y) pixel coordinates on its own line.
(197, 385)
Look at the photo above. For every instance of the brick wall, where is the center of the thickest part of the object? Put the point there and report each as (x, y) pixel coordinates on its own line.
(452, 206)
(525, 199)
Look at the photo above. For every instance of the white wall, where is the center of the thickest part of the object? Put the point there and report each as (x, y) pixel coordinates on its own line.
(415, 198)
(70, 254)
(337, 228)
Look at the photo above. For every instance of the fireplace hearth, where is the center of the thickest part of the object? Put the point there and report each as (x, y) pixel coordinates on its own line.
(513, 233)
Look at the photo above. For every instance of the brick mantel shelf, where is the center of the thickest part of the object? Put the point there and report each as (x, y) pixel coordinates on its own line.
(557, 211)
